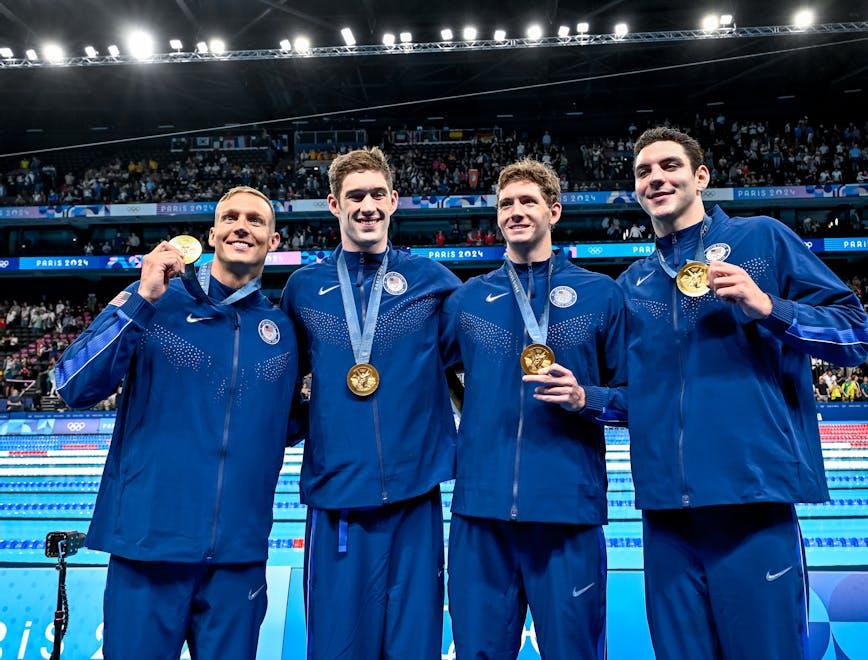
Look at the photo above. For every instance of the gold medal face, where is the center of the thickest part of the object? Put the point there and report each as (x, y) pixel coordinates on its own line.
(189, 247)
(692, 279)
(363, 379)
(536, 357)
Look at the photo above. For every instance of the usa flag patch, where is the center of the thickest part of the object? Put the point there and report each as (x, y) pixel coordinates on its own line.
(120, 299)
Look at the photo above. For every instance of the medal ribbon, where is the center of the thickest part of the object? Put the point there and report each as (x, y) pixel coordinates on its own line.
(700, 250)
(362, 339)
(537, 331)
(203, 279)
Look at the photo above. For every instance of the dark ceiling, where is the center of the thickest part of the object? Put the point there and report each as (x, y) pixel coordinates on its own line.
(66, 103)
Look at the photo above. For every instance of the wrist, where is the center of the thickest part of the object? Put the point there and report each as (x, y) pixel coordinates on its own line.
(147, 294)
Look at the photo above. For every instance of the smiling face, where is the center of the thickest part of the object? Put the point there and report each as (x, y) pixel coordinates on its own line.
(667, 187)
(363, 210)
(243, 234)
(526, 220)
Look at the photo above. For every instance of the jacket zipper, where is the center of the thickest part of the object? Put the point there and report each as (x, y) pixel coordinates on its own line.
(221, 467)
(375, 410)
(685, 498)
(513, 512)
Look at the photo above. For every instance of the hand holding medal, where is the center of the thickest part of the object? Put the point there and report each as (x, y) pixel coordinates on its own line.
(732, 284)
(558, 385)
(158, 267)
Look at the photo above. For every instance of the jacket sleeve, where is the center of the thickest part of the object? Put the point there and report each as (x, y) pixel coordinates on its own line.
(96, 362)
(298, 427)
(815, 312)
(607, 403)
(450, 348)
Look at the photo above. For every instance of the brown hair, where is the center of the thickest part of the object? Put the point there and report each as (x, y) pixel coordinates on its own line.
(358, 160)
(663, 134)
(534, 172)
(246, 189)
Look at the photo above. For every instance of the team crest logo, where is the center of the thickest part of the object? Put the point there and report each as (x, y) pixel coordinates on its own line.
(395, 283)
(717, 252)
(563, 296)
(269, 332)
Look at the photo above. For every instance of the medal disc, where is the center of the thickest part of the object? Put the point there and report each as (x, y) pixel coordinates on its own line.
(692, 279)
(363, 379)
(536, 357)
(189, 247)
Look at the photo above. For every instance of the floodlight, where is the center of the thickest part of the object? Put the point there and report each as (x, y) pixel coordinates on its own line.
(349, 39)
(176, 44)
(446, 34)
(710, 23)
(90, 51)
(53, 53)
(500, 35)
(114, 51)
(534, 32)
(563, 31)
(803, 18)
(388, 39)
(302, 44)
(217, 46)
(31, 55)
(140, 45)
(621, 30)
(285, 45)
(469, 33)
(405, 37)
(725, 20)
(582, 28)
(201, 48)
(6, 52)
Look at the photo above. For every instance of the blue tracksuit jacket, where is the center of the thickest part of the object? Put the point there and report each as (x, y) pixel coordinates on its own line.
(400, 441)
(201, 424)
(721, 406)
(519, 458)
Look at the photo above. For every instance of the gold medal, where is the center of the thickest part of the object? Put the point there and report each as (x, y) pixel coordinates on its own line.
(363, 379)
(536, 357)
(189, 247)
(692, 279)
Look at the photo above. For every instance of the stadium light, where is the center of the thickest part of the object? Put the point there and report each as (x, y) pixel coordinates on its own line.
(803, 18)
(446, 34)
(621, 30)
(176, 44)
(6, 52)
(53, 53)
(582, 28)
(140, 44)
(114, 51)
(725, 20)
(201, 48)
(406, 37)
(534, 32)
(500, 35)
(31, 55)
(469, 33)
(563, 31)
(710, 23)
(349, 39)
(285, 45)
(388, 39)
(302, 44)
(90, 51)
(217, 46)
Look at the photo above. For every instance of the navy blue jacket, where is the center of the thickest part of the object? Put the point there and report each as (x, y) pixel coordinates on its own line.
(519, 458)
(201, 423)
(721, 406)
(398, 442)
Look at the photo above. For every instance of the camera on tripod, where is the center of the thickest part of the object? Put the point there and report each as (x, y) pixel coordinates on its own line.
(63, 544)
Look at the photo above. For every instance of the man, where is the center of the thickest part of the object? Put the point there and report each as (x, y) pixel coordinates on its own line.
(185, 502)
(530, 493)
(723, 428)
(382, 435)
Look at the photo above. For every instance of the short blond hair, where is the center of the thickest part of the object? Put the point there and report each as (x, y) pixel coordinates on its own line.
(532, 171)
(358, 160)
(246, 189)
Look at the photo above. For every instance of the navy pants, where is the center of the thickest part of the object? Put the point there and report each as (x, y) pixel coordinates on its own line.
(373, 581)
(497, 568)
(726, 582)
(152, 607)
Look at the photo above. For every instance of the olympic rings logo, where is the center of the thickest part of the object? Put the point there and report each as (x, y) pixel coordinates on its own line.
(4, 264)
(75, 427)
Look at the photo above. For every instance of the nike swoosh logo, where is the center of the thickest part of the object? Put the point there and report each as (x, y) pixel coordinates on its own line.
(196, 319)
(642, 279)
(492, 298)
(579, 592)
(253, 594)
(772, 577)
(322, 291)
